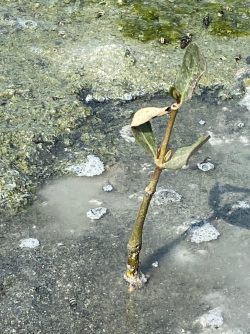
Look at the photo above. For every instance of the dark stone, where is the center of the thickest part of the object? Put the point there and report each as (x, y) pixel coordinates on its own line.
(248, 60)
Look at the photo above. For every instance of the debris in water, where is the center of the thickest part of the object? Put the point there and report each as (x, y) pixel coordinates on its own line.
(164, 196)
(107, 187)
(155, 264)
(89, 98)
(96, 213)
(205, 166)
(29, 243)
(240, 125)
(203, 231)
(212, 318)
(93, 166)
(241, 205)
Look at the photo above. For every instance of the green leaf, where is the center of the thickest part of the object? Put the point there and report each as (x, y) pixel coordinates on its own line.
(182, 155)
(193, 66)
(144, 136)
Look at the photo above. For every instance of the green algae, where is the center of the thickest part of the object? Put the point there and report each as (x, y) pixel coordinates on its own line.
(173, 19)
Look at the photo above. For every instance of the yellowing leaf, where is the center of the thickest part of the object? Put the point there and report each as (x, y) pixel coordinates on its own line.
(182, 155)
(193, 66)
(144, 136)
(146, 114)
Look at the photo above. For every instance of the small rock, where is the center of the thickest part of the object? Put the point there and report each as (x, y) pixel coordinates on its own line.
(240, 125)
(248, 60)
(164, 196)
(29, 243)
(89, 98)
(203, 231)
(93, 166)
(155, 264)
(127, 97)
(201, 122)
(205, 166)
(126, 134)
(96, 213)
(212, 318)
(107, 187)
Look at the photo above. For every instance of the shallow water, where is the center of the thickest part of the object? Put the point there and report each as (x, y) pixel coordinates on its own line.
(85, 260)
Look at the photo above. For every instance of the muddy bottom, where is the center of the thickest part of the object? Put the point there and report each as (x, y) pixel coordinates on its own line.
(73, 281)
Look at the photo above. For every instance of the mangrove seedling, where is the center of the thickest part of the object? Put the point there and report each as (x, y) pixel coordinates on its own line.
(193, 66)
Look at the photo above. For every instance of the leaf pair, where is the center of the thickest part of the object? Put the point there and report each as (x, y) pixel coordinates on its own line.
(142, 129)
(192, 68)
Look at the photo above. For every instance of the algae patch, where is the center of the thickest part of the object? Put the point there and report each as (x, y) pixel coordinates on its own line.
(171, 20)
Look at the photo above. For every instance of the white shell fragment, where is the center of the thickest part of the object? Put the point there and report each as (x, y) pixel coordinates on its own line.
(202, 122)
(212, 318)
(126, 134)
(93, 166)
(205, 166)
(164, 196)
(241, 205)
(240, 125)
(96, 213)
(29, 243)
(155, 264)
(89, 98)
(107, 188)
(203, 231)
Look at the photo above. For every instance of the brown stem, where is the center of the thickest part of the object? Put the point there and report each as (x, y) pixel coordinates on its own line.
(135, 242)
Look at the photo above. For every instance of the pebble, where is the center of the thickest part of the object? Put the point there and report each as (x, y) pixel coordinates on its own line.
(201, 122)
(29, 243)
(205, 166)
(240, 125)
(93, 166)
(155, 264)
(89, 98)
(164, 196)
(107, 187)
(127, 97)
(212, 318)
(96, 213)
(248, 60)
(202, 231)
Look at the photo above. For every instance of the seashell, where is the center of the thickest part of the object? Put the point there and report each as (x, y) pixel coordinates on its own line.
(205, 166)
(72, 302)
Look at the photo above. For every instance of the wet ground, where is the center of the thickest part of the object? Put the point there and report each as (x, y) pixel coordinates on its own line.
(71, 81)
(72, 282)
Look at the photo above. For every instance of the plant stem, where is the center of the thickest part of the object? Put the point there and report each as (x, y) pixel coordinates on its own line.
(133, 275)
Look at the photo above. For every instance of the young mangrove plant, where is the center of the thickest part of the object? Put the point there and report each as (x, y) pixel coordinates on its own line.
(190, 72)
